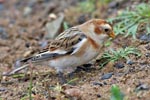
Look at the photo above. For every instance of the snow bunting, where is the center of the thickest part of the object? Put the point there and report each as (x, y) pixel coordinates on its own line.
(74, 47)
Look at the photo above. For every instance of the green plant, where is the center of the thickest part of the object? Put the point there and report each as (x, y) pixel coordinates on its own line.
(86, 6)
(129, 21)
(116, 94)
(105, 1)
(72, 80)
(114, 55)
(30, 87)
(108, 43)
(25, 97)
(58, 88)
(31, 81)
(29, 95)
(20, 75)
(65, 25)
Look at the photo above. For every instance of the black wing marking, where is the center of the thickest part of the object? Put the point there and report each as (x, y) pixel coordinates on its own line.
(45, 56)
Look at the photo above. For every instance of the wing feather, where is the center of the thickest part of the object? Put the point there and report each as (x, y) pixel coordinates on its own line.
(64, 44)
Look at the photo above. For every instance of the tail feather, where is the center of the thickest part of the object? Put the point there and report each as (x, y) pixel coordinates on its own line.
(39, 57)
(16, 70)
(44, 56)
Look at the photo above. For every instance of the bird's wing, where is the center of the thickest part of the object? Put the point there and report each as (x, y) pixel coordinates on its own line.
(68, 42)
(68, 33)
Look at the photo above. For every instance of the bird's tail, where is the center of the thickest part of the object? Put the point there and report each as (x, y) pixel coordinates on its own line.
(36, 59)
(16, 70)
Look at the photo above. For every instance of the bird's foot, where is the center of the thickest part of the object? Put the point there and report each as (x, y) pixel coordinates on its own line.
(61, 77)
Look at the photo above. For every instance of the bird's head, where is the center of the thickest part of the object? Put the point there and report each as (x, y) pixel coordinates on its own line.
(97, 29)
(101, 28)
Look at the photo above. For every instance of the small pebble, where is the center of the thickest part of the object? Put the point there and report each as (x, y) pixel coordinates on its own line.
(1, 6)
(53, 98)
(105, 83)
(98, 95)
(106, 76)
(98, 83)
(3, 33)
(46, 1)
(2, 89)
(145, 37)
(31, 3)
(142, 87)
(113, 4)
(27, 11)
(119, 65)
(130, 62)
(148, 47)
(83, 18)
(142, 63)
(74, 92)
(147, 54)
(87, 65)
(12, 22)
(27, 53)
(52, 16)
(27, 45)
(17, 64)
(43, 44)
(2, 1)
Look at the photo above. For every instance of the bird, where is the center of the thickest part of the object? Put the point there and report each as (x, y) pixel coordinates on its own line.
(74, 47)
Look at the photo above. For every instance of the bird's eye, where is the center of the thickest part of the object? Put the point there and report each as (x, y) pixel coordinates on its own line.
(106, 30)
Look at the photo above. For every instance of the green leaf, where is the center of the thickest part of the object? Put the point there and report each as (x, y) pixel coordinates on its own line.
(116, 94)
(65, 25)
(148, 28)
(25, 98)
(114, 55)
(18, 75)
(128, 21)
(132, 30)
(108, 43)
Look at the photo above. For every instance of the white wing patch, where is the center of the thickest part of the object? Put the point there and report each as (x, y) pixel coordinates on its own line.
(79, 45)
(58, 51)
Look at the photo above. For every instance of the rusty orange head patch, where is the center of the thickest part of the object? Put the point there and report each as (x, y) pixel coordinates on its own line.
(103, 27)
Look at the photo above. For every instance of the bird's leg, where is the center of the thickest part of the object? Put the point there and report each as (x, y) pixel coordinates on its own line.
(71, 74)
(85, 67)
(61, 78)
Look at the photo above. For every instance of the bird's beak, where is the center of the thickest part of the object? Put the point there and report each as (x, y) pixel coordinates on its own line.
(112, 35)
